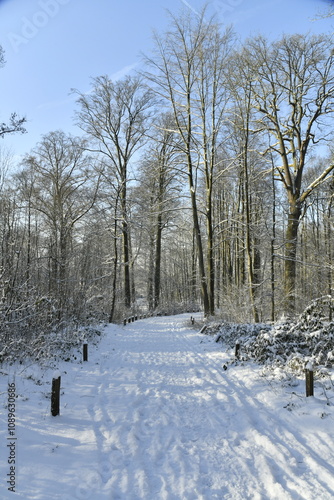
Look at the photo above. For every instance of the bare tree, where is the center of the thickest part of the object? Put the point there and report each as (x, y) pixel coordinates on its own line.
(293, 92)
(213, 98)
(59, 173)
(159, 191)
(115, 117)
(243, 145)
(188, 73)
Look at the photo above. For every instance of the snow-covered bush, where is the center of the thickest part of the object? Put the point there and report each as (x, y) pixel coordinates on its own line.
(244, 333)
(288, 343)
(46, 346)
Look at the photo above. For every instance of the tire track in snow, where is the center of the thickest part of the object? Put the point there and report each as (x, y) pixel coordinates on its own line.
(223, 411)
(163, 444)
(155, 432)
(122, 446)
(194, 422)
(174, 438)
(101, 419)
(110, 417)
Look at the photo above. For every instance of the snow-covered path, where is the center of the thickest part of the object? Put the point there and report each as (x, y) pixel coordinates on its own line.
(153, 415)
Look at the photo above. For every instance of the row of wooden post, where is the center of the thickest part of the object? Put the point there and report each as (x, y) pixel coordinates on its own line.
(55, 393)
(131, 319)
(55, 389)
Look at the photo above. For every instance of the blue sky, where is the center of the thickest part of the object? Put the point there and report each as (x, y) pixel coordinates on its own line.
(52, 46)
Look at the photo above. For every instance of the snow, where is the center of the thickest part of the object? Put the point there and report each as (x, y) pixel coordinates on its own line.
(162, 412)
(309, 366)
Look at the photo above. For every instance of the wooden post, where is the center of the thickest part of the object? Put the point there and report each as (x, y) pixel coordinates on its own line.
(55, 395)
(129, 320)
(124, 322)
(192, 320)
(85, 352)
(309, 379)
(237, 350)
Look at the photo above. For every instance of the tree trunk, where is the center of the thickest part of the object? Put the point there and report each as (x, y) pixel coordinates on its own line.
(252, 281)
(64, 243)
(328, 243)
(290, 256)
(210, 254)
(192, 188)
(194, 295)
(126, 248)
(114, 280)
(157, 267)
(272, 247)
(151, 271)
(204, 289)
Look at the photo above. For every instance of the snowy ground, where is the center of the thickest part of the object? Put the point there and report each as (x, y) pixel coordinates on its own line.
(153, 415)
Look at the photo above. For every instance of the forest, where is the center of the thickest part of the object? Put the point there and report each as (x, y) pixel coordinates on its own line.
(202, 182)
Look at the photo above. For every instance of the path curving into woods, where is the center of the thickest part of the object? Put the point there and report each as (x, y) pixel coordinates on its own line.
(153, 415)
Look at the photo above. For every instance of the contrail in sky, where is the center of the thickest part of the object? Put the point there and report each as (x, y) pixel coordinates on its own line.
(189, 7)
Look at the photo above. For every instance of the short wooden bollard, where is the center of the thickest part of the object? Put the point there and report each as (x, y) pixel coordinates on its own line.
(192, 320)
(237, 350)
(309, 380)
(85, 352)
(129, 320)
(55, 396)
(124, 322)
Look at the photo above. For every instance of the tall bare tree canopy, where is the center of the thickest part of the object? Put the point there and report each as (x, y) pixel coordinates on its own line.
(204, 182)
(115, 117)
(188, 73)
(292, 87)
